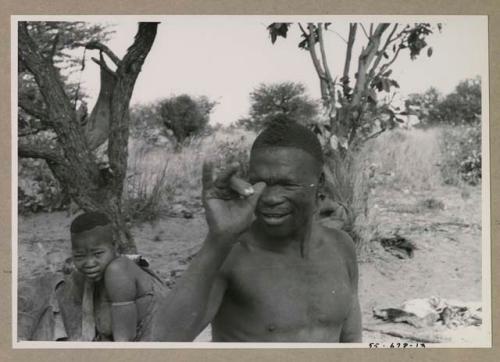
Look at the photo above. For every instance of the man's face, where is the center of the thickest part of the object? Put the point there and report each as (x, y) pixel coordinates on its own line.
(289, 199)
(92, 251)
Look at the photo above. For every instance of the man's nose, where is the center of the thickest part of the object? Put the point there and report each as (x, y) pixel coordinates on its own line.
(272, 196)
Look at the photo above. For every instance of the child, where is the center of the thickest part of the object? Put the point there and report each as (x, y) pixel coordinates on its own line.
(108, 297)
(125, 296)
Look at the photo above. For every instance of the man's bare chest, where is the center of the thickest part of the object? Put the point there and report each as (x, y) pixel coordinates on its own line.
(292, 291)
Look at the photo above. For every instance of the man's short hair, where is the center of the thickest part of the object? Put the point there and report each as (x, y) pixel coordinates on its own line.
(283, 131)
(88, 221)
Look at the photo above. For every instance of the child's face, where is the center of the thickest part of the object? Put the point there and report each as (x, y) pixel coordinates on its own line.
(92, 251)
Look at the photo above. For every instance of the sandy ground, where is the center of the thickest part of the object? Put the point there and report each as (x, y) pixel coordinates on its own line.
(447, 262)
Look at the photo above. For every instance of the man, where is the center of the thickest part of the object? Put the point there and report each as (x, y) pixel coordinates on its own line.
(270, 272)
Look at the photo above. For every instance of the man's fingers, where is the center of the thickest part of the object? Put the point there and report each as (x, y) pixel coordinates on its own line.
(224, 176)
(207, 175)
(240, 186)
(258, 189)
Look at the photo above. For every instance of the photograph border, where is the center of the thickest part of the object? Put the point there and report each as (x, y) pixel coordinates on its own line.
(485, 249)
(49, 9)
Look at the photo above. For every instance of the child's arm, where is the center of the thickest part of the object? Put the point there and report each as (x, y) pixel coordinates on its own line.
(121, 289)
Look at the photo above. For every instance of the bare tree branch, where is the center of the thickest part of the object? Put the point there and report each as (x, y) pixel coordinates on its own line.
(317, 65)
(127, 73)
(29, 150)
(347, 64)
(323, 53)
(95, 45)
(302, 29)
(382, 51)
(54, 48)
(31, 131)
(384, 67)
(102, 63)
(365, 59)
(364, 31)
(336, 33)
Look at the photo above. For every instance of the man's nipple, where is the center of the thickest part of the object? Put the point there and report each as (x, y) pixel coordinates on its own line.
(271, 327)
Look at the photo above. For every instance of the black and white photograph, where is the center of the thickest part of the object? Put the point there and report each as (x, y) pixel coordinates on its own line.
(250, 181)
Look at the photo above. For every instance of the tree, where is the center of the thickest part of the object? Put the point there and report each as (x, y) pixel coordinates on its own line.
(69, 155)
(186, 116)
(288, 98)
(347, 97)
(463, 106)
(426, 105)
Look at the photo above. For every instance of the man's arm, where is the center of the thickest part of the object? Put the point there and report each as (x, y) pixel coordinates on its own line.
(191, 305)
(183, 314)
(351, 330)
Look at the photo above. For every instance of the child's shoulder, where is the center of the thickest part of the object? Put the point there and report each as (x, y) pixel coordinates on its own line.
(121, 266)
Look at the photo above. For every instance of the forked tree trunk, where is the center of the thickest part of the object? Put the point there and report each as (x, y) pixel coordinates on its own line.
(92, 185)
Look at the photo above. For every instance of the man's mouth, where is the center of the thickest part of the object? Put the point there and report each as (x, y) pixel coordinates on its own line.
(274, 218)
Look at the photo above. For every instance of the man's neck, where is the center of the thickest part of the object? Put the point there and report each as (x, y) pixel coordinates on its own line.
(297, 243)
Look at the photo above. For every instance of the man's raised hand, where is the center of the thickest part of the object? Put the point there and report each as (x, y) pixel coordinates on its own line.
(229, 202)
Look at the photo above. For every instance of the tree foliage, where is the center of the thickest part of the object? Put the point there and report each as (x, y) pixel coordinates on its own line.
(462, 106)
(347, 97)
(288, 98)
(186, 116)
(55, 40)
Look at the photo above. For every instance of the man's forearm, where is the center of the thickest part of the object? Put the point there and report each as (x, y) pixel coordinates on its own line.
(183, 310)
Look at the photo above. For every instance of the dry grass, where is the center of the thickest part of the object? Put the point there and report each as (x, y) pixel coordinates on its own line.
(406, 159)
(159, 177)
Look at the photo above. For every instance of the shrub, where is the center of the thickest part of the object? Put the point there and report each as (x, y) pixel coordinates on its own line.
(38, 190)
(461, 154)
(186, 116)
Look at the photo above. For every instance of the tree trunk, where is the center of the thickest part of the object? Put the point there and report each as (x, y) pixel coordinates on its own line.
(94, 186)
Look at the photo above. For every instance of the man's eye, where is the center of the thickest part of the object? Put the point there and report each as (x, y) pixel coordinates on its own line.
(99, 253)
(78, 257)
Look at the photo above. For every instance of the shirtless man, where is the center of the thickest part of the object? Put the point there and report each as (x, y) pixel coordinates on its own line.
(282, 276)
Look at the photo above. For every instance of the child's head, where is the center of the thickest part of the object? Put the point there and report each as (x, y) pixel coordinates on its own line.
(92, 244)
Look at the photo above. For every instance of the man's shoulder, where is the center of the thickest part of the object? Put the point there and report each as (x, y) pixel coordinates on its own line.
(244, 253)
(338, 241)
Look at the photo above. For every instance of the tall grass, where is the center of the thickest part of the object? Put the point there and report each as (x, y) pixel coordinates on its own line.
(403, 160)
(409, 159)
(160, 177)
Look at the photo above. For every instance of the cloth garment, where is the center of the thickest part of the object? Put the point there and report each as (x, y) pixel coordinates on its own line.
(62, 306)
(88, 320)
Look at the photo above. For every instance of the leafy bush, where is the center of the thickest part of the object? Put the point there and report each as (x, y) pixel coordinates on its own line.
(461, 159)
(186, 116)
(38, 190)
